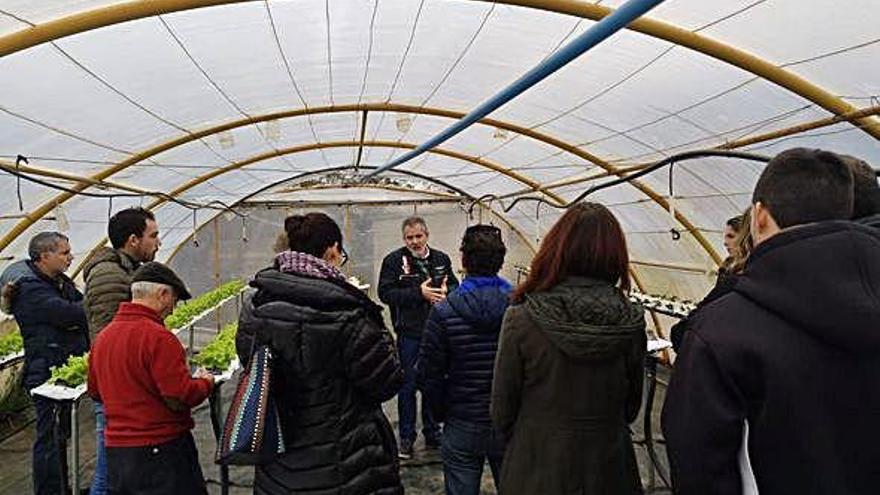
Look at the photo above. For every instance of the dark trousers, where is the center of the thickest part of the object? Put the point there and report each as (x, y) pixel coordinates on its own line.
(408, 348)
(53, 424)
(168, 468)
(466, 448)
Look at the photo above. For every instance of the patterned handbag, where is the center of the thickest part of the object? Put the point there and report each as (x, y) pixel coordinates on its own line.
(252, 433)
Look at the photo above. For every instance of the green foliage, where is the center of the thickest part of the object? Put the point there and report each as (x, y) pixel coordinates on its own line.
(184, 314)
(14, 402)
(11, 343)
(217, 355)
(73, 373)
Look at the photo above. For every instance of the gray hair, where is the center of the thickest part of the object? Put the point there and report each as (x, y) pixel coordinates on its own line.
(142, 289)
(412, 222)
(44, 242)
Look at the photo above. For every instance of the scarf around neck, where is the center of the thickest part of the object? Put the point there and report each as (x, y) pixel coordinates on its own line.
(306, 264)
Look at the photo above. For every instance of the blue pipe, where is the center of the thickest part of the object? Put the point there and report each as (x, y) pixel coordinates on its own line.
(627, 13)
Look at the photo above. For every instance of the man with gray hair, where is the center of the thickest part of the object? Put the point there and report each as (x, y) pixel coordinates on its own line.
(138, 370)
(412, 280)
(49, 312)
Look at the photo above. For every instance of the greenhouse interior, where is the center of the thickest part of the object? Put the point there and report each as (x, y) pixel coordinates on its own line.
(224, 118)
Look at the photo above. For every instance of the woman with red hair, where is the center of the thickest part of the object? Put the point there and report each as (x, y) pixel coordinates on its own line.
(568, 373)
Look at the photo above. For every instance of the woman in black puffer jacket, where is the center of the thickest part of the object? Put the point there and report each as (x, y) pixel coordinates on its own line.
(335, 364)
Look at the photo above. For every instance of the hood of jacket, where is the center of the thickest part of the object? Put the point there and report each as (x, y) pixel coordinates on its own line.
(12, 274)
(586, 319)
(481, 301)
(823, 278)
(15, 271)
(108, 254)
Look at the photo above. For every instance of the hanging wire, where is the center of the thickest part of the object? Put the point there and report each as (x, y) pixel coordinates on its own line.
(538, 223)
(191, 205)
(676, 235)
(18, 160)
(668, 161)
(195, 228)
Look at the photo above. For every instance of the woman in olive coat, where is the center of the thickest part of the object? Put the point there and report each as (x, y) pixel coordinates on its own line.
(568, 373)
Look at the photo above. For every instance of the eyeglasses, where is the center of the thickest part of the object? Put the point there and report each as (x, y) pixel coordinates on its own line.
(344, 255)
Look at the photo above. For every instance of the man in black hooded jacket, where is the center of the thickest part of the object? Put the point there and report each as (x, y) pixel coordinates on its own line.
(413, 279)
(788, 361)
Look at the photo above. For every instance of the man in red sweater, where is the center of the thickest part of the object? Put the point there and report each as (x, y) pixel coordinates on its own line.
(138, 370)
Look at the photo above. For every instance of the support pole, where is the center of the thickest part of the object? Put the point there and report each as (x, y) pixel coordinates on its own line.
(74, 448)
(626, 14)
(217, 268)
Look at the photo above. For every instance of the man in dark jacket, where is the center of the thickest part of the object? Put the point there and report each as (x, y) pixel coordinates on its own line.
(49, 312)
(457, 362)
(134, 236)
(787, 362)
(413, 278)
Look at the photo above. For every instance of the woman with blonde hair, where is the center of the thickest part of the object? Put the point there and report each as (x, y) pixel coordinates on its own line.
(568, 373)
(742, 246)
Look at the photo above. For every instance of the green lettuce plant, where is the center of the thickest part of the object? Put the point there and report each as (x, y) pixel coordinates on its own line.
(184, 314)
(11, 343)
(217, 355)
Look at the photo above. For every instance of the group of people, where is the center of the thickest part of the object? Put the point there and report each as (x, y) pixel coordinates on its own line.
(505, 370)
(776, 387)
(134, 375)
(776, 383)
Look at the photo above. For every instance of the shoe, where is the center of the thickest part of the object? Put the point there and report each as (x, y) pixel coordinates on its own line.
(406, 451)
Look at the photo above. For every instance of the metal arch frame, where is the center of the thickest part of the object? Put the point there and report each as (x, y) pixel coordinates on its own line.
(513, 227)
(138, 9)
(730, 145)
(500, 216)
(481, 162)
(385, 187)
(43, 209)
(305, 148)
(114, 14)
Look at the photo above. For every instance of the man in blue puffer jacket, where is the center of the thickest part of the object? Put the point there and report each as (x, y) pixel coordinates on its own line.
(457, 362)
(49, 312)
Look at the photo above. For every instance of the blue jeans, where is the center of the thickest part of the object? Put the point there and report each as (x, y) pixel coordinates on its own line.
(99, 482)
(466, 447)
(52, 420)
(408, 349)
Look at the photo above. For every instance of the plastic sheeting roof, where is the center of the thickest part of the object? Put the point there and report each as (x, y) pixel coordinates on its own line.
(145, 90)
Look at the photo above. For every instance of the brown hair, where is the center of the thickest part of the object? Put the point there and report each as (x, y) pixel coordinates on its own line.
(312, 233)
(587, 241)
(744, 243)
